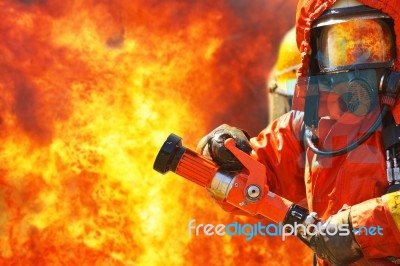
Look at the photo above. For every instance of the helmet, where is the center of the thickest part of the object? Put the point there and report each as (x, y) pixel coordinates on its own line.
(348, 57)
(282, 80)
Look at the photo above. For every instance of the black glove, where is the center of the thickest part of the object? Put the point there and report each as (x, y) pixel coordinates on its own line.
(212, 146)
(338, 250)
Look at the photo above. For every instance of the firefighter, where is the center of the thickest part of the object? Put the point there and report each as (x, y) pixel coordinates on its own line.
(339, 147)
(282, 80)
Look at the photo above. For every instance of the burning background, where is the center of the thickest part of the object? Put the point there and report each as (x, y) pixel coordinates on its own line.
(89, 90)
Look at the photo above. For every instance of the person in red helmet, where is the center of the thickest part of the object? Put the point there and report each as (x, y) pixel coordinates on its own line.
(339, 148)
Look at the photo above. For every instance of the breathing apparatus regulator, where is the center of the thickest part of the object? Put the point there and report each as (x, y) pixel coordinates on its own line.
(351, 79)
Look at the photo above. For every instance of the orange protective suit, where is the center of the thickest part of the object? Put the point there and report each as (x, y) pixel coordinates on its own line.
(355, 180)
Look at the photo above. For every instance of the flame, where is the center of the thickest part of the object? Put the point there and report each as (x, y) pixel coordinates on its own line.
(90, 90)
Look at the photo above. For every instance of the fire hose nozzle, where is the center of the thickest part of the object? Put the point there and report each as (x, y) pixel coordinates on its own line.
(167, 154)
(173, 156)
(247, 190)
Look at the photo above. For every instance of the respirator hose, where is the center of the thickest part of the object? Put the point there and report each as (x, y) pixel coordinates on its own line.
(309, 137)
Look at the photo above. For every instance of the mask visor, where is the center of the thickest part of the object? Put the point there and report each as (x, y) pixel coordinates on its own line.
(355, 42)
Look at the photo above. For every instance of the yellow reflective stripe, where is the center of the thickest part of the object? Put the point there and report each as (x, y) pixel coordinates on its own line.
(394, 207)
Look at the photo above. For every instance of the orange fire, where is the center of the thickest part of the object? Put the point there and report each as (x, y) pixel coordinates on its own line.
(89, 92)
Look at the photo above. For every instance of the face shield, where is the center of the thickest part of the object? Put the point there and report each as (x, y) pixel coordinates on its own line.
(352, 48)
(354, 43)
(352, 38)
(352, 53)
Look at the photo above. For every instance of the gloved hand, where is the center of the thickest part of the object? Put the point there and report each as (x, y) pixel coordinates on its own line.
(332, 244)
(212, 146)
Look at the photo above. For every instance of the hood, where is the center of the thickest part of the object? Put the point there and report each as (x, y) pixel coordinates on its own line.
(310, 10)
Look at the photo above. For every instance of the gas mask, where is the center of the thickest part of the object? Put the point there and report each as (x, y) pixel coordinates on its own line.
(350, 78)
